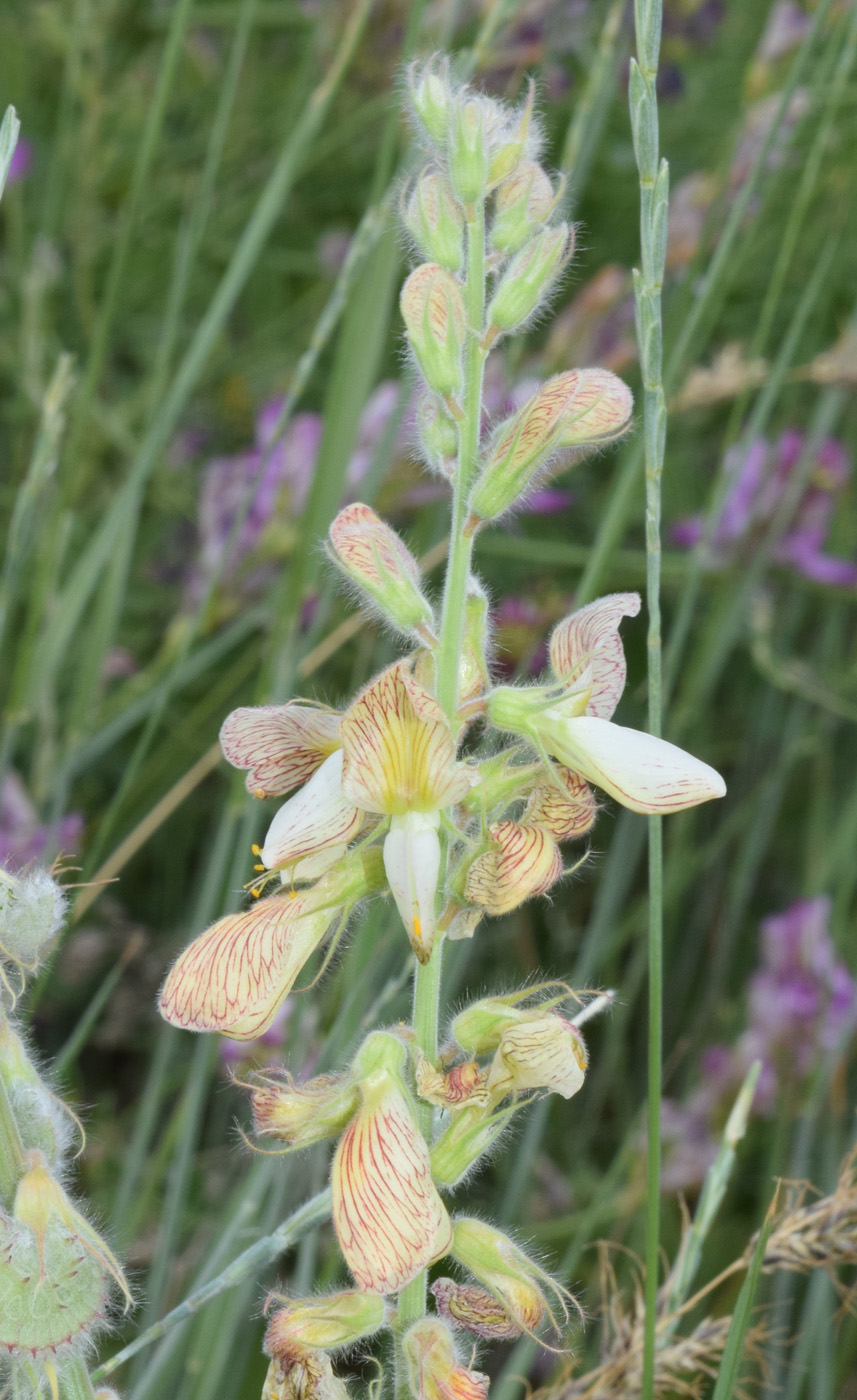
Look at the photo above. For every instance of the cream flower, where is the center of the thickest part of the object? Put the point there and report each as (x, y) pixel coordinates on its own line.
(572, 721)
(399, 756)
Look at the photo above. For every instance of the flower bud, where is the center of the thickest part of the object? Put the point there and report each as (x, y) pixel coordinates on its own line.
(529, 277)
(431, 97)
(522, 204)
(301, 1114)
(574, 409)
(32, 910)
(473, 674)
(522, 861)
(42, 1120)
(469, 147)
(438, 435)
(435, 220)
(509, 145)
(371, 553)
(566, 807)
(471, 1133)
(302, 1374)
(507, 1272)
(472, 1307)
(479, 1028)
(56, 1269)
(544, 1053)
(432, 308)
(337, 1320)
(433, 1369)
(388, 1216)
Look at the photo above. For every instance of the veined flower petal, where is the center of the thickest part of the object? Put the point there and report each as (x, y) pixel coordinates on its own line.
(399, 749)
(523, 862)
(544, 1053)
(235, 976)
(281, 746)
(302, 1373)
(565, 814)
(586, 651)
(641, 771)
(412, 863)
(474, 1308)
(435, 1372)
(315, 818)
(389, 1218)
(452, 1088)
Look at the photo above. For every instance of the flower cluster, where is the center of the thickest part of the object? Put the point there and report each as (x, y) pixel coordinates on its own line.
(401, 795)
(802, 1003)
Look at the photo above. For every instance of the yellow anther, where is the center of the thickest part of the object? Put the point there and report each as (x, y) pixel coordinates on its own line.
(293, 894)
(260, 867)
(255, 893)
(260, 793)
(418, 932)
(257, 850)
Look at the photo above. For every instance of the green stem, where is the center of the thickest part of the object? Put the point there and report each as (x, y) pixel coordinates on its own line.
(11, 1150)
(426, 1006)
(74, 1381)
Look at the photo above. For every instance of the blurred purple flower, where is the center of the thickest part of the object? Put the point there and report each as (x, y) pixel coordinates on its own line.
(802, 1002)
(758, 483)
(21, 162)
(23, 838)
(786, 28)
(263, 1051)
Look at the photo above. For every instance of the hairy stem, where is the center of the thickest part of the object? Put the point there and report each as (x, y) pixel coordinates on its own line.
(11, 1150)
(74, 1381)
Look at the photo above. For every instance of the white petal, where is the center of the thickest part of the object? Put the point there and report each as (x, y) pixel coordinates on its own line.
(317, 817)
(640, 771)
(412, 863)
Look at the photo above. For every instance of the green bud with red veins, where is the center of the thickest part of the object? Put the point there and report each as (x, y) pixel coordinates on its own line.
(301, 1114)
(473, 122)
(529, 278)
(509, 148)
(438, 435)
(436, 221)
(372, 555)
(432, 308)
(599, 412)
(522, 204)
(544, 1053)
(337, 1320)
(432, 97)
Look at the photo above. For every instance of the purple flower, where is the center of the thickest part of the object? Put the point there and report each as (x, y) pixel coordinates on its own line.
(23, 838)
(758, 483)
(21, 162)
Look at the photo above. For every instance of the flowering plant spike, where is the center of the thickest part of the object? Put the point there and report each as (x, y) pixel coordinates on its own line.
(398, 796)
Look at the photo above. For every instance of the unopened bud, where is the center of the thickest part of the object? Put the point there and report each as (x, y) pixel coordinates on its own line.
(511, 146)
(473, 674)
(471, 1133)
(371, 553)
(432, 307)
(566, 808)
(522, 204)
(435, 220)
(338, 1320)
(547, 1053)
(472, 1307)
(431, 96)
(42, 1120)
(470, 148)
(434, 1371)
(479, 1028)
(600, 411)
(438, 435)
(514, 1279)
(32, 909)
(529, 277)
(521, 862)
(301, 1114)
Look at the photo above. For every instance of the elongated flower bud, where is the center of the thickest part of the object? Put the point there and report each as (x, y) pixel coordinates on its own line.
(431, 96)
(510, 142)
(433, 311)
(473, 1308)
(435, 1372)
(471, 1133)
(479, 1028)
(334, 1321)
(523, 203)
(566, 807)
(389, 1218)
(434, 217)
(529, 277)
(545, 1053)
(373, 556)
(55, 1270)
(301, 1114)
(522, 861)
(438, 435)
(470, 147)
(588, 406)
